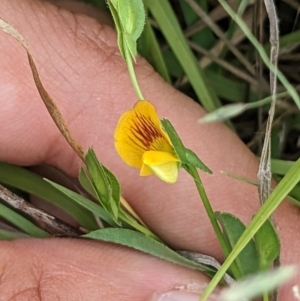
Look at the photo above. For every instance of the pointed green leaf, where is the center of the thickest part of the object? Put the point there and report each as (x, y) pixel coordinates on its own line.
(114, 12)
(86, 183)
(147, 245)
(185, 155)
(85, 203)
(247, 261)
(193, 159)
(129, 17)
(115, 185)
(100, 181)
(175, 140)
(105, 184)
(267, 244)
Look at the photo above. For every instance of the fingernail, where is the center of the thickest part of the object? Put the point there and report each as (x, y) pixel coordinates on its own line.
(181, 296)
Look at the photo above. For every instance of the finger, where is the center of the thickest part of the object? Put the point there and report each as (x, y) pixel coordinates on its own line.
(84, 72)
(85, 270)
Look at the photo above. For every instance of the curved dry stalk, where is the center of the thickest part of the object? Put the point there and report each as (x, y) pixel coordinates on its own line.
(48, 101)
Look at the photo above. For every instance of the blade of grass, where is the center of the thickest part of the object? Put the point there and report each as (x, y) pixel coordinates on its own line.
(32, 183)
(149, 49)
(22, 223)
(170, 28)
(280, 192)
(281, 167)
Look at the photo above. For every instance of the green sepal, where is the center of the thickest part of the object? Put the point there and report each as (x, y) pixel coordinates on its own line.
(104, 183)
(185, 155)
(193, 159)
(86, 183)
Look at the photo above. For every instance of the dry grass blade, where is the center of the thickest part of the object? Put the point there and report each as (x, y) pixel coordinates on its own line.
(46, 221)
(264, 173)
(49, 103)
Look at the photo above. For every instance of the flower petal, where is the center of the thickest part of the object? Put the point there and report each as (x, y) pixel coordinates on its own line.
(146, 171)
(139, 130)
(163, 165)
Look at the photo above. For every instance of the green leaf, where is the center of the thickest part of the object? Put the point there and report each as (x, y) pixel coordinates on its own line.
(32, 183)
(186, 156)
(11, 235)
(85, 203)
(86, 183)
(141, 242)
(175, 140)
(118, 25)
(115, 188)
(193, 159)
(130, 19)
(22, 223)
(247, 261)
(281, 167)
(101, 183)
(267, 244)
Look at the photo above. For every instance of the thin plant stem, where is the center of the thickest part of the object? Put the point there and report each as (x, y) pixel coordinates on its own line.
(212, 217)
(132, 75)
(134, 224)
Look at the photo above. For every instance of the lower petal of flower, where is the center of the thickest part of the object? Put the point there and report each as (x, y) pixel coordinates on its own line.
(163, 165)
(145, 171)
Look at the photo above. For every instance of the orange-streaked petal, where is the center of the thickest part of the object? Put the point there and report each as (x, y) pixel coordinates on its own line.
(139, 130)
(163, 165)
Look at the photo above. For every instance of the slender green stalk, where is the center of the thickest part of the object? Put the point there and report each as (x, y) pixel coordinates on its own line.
(265, 297)
(134, 224)
(132, 75)
(212, 218)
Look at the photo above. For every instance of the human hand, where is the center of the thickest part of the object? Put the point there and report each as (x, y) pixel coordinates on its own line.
(80, 66)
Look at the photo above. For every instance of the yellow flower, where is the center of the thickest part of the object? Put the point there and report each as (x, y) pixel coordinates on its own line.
(141, 142)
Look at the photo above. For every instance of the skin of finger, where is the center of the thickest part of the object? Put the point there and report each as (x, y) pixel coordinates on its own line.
(38, 270)
(88, 79)
(80, 65)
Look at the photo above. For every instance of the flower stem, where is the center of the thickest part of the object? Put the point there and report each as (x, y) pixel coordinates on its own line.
(132, 75)
(212, 218)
